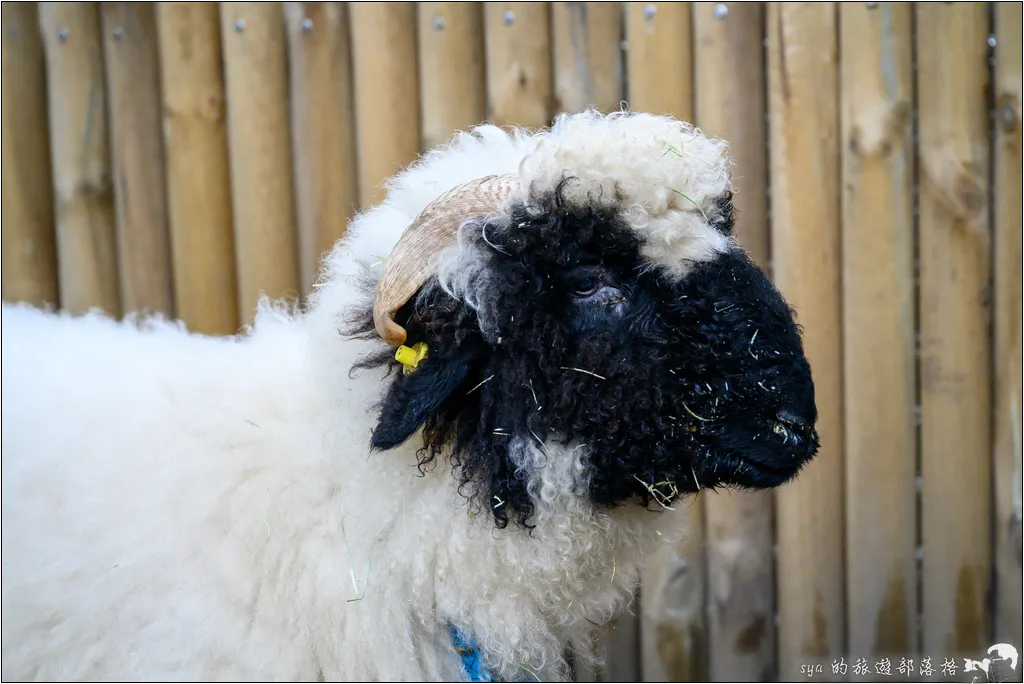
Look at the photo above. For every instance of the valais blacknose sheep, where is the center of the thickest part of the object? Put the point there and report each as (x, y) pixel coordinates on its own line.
(580, 344)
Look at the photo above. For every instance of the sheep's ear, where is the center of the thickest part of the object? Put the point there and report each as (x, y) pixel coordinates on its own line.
(723, 218)
(413, 397)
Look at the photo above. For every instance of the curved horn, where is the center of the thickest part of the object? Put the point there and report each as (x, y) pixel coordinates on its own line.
(435, 228)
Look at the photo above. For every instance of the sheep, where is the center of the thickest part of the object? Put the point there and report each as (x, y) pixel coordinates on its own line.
(512, 375)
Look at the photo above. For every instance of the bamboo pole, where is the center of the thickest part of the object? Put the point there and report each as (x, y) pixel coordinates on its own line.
(519, 90)
(805, 243)
(29, 239)
(263, 205)
(137, 156)
(451, 68)
(730, 89)
(658, 58)
(386, 91)
(198, 176)
(323, 133)
(955, 253)
(1009, 393)
(587, 55)
(83, 196)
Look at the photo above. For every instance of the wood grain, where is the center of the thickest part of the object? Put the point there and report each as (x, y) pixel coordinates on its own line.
(519, 88)
(1009, 394)
(79, 148)
(587, 55)
(323, 129)
(673, 625)
(263, 204)
(137, 156)
(805, 243)
(673, 595)
(659, 58)
(876, 101)
(955, 313)
(451, 68)
(29, 235)
(384, 74)
(197, 167)
(729, 84)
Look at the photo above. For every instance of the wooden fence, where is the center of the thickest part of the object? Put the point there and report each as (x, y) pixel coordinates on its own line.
(185, 157)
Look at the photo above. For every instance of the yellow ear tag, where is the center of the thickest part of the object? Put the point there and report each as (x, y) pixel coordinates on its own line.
(410, 357)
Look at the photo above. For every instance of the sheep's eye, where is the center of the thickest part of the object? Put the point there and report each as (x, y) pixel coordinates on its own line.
(595, 286)
(587, 286)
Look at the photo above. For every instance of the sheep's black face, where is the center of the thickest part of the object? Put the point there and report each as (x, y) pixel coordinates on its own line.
(675, 385)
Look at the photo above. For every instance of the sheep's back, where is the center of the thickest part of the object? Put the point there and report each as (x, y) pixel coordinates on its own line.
(143, 489)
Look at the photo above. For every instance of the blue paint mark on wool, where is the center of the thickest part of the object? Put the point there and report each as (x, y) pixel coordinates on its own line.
(472, 661)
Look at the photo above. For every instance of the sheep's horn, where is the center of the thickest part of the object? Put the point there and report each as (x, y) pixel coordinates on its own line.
(435, 228)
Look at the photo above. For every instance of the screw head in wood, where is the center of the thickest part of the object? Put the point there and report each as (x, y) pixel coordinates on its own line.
(871, 5)
(439, 23)
(62, 34)
(239, 25)
(118, 32)
(307, 25)
(1009, 117)
(509, 17)
(650, 11)
(992, 40)
(721, 10)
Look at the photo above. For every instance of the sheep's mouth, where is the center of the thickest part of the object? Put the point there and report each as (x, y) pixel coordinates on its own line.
(758, 475)
(770, 471)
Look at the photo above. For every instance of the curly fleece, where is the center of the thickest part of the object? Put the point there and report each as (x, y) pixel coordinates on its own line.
(189, 508)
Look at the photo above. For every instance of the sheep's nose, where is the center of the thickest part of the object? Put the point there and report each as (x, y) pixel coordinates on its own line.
(792, 419)
(801, 426)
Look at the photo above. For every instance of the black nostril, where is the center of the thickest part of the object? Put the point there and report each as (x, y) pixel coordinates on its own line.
(791, 419)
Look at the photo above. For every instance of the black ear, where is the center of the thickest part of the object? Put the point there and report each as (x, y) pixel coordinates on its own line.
(413, 397)
(723, 218)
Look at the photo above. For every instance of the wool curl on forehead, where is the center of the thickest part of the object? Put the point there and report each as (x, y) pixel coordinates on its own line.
(669, 182)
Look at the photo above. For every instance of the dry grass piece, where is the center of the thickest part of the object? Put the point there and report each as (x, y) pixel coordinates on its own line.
(580, 370)
(663, 499)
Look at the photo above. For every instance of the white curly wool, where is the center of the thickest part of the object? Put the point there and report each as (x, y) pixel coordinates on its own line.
(663, 173)
(190, 508)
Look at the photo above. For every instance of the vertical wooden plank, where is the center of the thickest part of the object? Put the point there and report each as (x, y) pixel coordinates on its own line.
(878, 322)
(587, 52)
(955, 312)
(729, 83)
(659, 58)
(198, 177)
(83, 196)
(729, 86)
(451, 67)
(386, 82)
(1009, 393)
(255, 68)
(620, 648)
(322, 128)
(805, 241)
(673, 629)
(29, 249)
(137, 156)
(519, 91)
